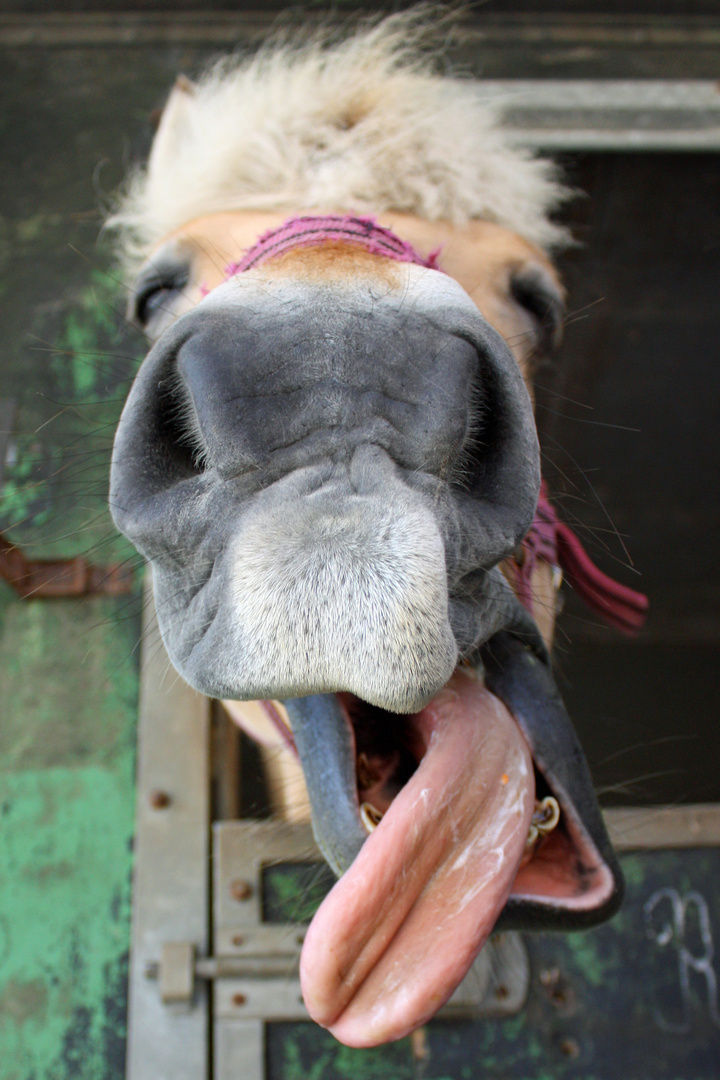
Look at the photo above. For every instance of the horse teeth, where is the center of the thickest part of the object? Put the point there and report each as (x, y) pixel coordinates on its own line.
(546, 816)
(532, 838)
(370, 817)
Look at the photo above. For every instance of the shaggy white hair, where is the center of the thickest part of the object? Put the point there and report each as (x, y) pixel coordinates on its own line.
(361, 126)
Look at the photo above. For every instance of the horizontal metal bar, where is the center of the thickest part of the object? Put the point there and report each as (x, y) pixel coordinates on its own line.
(73, 30)
(254, 967)
(608, 114)
(229, 27)
(558, 141)
(655, 827)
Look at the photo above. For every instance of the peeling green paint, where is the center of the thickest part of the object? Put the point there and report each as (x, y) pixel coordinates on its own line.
(68, 692)
(82, 359)
(64, 900)
(68, 668)
(292, 892)
(306, 1052)
(68, 687)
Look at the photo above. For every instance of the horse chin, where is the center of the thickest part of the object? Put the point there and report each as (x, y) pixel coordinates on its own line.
(455, 798)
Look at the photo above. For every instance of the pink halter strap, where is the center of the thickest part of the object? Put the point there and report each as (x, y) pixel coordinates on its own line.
(303, 232)
(553, 541)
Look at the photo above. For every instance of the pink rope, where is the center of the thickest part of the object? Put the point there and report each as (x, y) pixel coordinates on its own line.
(302, 232)
(555, 542)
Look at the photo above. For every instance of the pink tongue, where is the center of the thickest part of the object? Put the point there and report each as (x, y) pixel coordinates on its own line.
(400, 929)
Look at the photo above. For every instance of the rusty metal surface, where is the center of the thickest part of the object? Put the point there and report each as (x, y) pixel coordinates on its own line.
(40, 578)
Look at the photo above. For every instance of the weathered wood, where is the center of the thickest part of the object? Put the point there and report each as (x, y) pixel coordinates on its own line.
(651, 828)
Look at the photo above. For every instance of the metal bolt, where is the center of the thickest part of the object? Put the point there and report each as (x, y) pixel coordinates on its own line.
(570, 1048)
(159, 800)
(238, 940)
(239, 999)
(240, 890)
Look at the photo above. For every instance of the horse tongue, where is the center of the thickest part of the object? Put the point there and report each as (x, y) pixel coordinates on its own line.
(400, 929)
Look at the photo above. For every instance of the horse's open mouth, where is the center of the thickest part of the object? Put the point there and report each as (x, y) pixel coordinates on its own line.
(462, 824)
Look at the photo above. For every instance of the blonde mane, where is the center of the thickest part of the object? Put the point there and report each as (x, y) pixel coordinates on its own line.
(363, 126)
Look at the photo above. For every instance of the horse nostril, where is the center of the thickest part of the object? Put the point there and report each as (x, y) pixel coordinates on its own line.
(182, 433)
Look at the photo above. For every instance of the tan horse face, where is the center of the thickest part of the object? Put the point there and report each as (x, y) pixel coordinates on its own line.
(326, 458)
(513, 284)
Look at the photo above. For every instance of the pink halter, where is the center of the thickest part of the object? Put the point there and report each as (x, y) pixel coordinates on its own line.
(301, 232)
(553, 541)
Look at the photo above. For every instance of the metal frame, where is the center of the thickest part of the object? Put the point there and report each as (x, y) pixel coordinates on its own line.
(601, 114)
(170, 882)
(636, 828)
(532, 30)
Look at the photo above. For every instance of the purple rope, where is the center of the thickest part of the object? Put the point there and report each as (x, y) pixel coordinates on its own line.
(301, 232)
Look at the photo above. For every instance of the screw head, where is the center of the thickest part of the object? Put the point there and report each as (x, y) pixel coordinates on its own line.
(570, 1048)
(159, 800)
(240, 890)
(239, 999)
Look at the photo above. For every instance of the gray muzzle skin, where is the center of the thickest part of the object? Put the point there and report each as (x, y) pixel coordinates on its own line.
(322, 479)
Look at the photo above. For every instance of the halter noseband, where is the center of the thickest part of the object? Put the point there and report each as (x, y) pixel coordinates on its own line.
(304, 232)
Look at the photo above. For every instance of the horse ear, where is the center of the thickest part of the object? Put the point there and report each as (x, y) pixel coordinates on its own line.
(172, 126)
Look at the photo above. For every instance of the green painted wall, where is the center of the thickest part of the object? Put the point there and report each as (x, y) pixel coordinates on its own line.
(68, 686)
(68, 706)
(68, 668)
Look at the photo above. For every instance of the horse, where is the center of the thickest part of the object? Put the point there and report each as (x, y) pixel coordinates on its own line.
(329, 459)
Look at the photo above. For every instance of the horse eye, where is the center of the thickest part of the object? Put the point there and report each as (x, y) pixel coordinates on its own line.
(156, 294)
(150, 301)
(538, 294)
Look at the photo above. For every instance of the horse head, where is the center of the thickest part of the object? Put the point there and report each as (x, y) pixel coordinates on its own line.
(327, 456)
